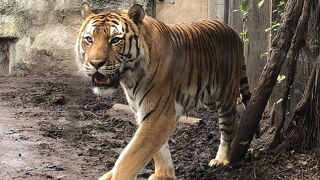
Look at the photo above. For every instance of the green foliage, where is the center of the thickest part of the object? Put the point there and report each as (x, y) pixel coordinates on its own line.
(261, 3)
(245, 10)
(282, 3)
(273, 27)
(278, 12)
(253, 154)
(263, 55)
(280, 78)
(244, 35)
(245, 7)
(244, 142)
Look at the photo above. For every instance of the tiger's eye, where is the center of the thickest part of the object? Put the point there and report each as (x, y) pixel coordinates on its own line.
(88, 39)
(115, 40)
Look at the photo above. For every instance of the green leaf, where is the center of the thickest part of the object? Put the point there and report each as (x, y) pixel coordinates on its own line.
(268, 29)
(256, 154)
(263, 55)
(244, 142)
(260, 4)
(280, 78)
(244, 6)
(236, 10)
(244, 33)
(273, 27)
(246, 41)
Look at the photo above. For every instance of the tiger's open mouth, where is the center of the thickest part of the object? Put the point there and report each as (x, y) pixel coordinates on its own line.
(100, 80)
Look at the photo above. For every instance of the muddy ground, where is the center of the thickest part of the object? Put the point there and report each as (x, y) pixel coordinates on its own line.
(55, 128)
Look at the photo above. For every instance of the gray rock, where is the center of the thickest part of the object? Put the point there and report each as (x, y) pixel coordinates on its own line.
(41, 35)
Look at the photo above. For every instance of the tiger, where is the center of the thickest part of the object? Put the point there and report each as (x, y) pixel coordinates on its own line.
(165, 70)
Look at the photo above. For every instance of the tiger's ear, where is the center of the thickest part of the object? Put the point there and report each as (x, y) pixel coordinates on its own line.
(86, 10)
(136, 13)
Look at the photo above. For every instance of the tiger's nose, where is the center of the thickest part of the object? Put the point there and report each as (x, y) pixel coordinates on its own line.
(97, 63)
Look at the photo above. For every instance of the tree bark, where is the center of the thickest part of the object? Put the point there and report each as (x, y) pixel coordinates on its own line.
(298, 42)
(304, 127)
(250, 118)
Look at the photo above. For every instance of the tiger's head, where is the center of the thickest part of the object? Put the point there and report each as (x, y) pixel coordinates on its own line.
(109, 44)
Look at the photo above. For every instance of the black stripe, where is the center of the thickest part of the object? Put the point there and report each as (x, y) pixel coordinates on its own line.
(244, 90)
(191, 58)
(124, 45)
(178, 94)
(127, 27)
(130, 44)
(182, 99)
(115, 22)
(227, 140)
(190, 74)
(209, 104)
(244, 81)
(115, 27)
(188, 101)
(136, 86)
(149, 82)
(228, 114)
(151, 111)
(145, 94)
(226, 131)
(226, 123)
(168, 98)
(244, 68)
(202, 98)
(218, 105)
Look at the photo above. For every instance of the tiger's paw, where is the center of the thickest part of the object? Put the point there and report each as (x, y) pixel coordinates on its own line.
(219, 162)
(160, 177)
(107, 176)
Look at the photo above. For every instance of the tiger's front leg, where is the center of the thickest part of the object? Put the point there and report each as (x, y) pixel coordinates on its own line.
(151, 135)
(164, 169)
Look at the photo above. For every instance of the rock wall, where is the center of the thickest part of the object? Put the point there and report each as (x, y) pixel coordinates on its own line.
(181, 11)
(41, 34)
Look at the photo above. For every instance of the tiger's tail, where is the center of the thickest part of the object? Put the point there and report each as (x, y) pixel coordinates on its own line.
(244, 85)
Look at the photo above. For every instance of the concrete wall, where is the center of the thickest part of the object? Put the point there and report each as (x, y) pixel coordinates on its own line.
(235, 16)
(258, 21)
(181, 11)
(216, 9)
(41, 34)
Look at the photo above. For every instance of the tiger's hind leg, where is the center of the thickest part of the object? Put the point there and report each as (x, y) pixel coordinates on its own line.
(227, 127)
(164, 169)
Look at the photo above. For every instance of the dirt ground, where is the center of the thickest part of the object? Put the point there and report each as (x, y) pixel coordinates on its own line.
(55, 128)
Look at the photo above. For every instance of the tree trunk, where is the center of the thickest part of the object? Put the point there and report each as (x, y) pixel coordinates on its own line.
(304, 127)
(298, 42)
(250, 118)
